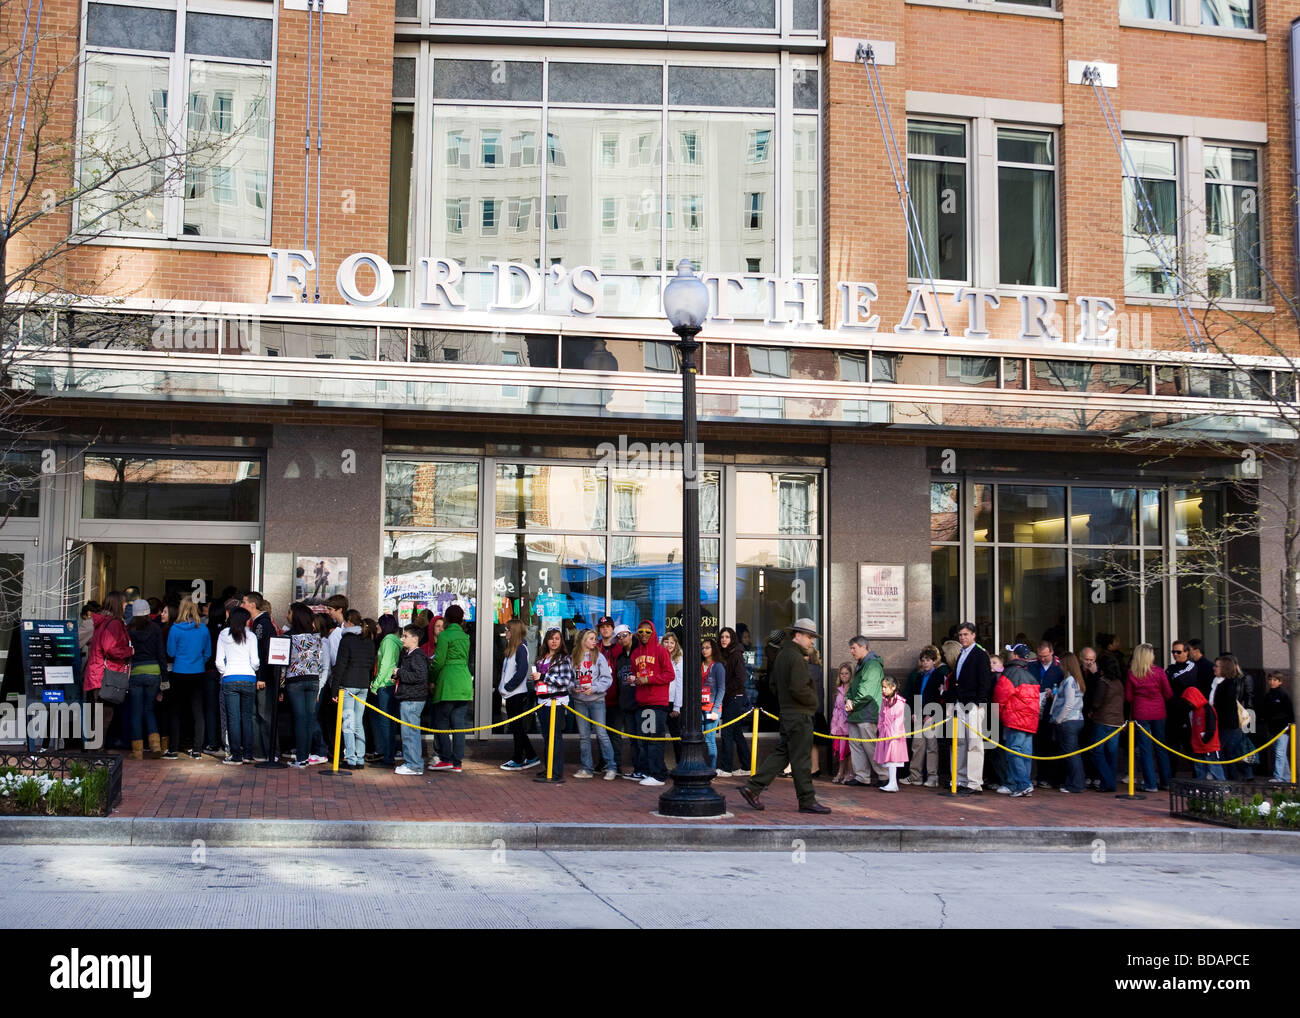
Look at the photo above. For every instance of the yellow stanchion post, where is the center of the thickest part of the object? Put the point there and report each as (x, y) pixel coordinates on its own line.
(338, 737)
(753, 745)
(952, 791)
(550, 745)
(1292, 749)
(1132, 764)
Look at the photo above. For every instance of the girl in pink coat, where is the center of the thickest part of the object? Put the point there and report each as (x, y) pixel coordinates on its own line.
(893, 754)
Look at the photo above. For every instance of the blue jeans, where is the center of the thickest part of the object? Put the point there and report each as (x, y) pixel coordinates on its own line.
(141, 699)
(1282, 757)
(733, 736)
(1016, 768)
(240, 697)
(302, 703)
(451, 714)
(1152, 757)
(651, 721)
(1105, 758)
(711, 739)
(412, 746)
(382, 727)
(354, 724)
(1233, 747)
(1210, 770)
(595, 711)
(1067, 741)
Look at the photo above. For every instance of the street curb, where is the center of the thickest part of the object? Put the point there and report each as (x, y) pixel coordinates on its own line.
(173, 833)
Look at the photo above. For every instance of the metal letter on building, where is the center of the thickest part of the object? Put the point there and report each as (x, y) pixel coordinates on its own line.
(346, 280)
(284, 272)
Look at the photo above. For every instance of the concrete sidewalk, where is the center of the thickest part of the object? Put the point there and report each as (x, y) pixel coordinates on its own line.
(169, 803)
(726, 835)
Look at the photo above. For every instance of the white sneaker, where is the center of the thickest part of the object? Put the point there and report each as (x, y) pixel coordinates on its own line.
(1002, 790)
(611, 775)
(1024, 793)
(889, 788)
(740, 773)
(314, 759)
(584, 773)
(909, 780)
(931, 782)
(406, 771)
(653, 782)
(722, 774)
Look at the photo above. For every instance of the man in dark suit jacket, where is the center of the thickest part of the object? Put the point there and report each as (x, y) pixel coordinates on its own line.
(974, 678)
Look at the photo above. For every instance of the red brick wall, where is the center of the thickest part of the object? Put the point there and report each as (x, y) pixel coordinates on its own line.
(357, 112)
(997, 55)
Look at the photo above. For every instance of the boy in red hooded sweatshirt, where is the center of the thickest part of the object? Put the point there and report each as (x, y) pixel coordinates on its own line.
(1205, 735)
(652, 671)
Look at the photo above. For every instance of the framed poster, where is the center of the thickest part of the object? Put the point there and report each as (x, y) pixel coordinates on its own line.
(882, 601)
(317, 577)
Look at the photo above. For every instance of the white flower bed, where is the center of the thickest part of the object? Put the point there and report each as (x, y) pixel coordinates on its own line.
(10, 783)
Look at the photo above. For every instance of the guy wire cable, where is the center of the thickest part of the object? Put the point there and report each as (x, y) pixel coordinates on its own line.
(13, 101)
(898, 170)
(1092, 76)
(306, 182)
(22, 124)
(320, 103)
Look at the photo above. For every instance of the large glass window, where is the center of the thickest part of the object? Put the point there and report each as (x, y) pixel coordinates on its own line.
(936, 177)
(632, 183)
(154, 488)
(1150, 237)
(1232, 228)
(1228, 13)
(1026, 208)
(1066, 562)
(211, 88)
(1147, 10)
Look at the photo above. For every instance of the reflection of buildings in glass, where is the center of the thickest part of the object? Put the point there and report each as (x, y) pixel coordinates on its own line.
(604, 205)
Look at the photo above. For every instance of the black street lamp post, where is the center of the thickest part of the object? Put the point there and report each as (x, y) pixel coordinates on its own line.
(686, 303)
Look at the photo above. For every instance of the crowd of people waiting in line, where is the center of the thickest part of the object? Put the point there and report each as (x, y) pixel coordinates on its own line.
(201, 679)
(1052, 704)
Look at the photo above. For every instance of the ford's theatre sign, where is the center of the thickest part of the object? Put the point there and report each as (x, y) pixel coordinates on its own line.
(519, 288)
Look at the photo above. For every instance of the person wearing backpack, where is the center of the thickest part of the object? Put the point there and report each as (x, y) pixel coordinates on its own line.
(592, 679)
(412, 692)
(353, 672)
(1203, 724)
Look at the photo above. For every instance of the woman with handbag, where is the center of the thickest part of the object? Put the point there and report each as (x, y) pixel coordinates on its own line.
(108, 661)
(1225, 695)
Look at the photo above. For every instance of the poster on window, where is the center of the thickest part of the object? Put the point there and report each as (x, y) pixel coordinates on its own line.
(882, 601)
(317, 577)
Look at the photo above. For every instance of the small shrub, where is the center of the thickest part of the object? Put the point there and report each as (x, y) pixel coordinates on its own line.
(28, 794)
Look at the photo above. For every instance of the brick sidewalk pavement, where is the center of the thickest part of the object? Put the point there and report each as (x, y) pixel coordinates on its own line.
(206, 789)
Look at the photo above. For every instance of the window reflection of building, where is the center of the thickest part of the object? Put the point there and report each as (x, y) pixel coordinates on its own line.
(1067, 562)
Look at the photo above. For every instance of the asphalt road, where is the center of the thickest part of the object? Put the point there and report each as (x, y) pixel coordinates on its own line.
(82, 887)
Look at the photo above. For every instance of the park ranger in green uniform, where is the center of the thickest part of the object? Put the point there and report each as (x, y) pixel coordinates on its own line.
(793, 684)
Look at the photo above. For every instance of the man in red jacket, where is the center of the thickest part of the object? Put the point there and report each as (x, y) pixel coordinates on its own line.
(1016, 694)
(652, 672)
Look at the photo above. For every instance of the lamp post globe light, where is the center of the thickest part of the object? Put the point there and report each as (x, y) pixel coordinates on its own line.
(686, 303)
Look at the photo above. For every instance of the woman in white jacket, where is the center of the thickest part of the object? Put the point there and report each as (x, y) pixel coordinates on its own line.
(237, 661)
(592, 678)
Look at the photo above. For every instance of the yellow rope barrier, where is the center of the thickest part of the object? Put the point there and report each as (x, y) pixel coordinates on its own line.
(886, 738)
(1202, 760)
(445, 731)
(1030, 756)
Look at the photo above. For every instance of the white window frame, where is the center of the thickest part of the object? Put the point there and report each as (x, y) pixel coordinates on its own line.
(178, 110)
(1181, 190)
(996, 238)
(969, 126)
(1202, 221)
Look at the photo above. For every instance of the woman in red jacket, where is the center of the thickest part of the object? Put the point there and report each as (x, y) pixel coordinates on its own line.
(109, 646)
(1147, 690)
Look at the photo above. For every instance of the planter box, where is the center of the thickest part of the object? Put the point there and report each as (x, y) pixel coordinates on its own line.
(59, 765)
(1207, 801)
